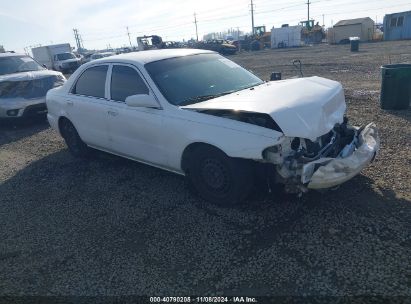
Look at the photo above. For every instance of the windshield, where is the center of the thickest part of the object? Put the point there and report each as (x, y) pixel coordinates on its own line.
(17, 64)
(65, 56)
(191, 79)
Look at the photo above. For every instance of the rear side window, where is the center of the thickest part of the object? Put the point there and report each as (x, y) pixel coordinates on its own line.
(126, 81)
(92, 82)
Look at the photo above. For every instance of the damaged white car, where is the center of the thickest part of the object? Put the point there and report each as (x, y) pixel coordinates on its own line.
(201, 115)
(23, 86)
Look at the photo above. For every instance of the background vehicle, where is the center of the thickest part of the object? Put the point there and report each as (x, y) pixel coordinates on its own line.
(217, 45)
(311, 33)
(23, 86)
(57, 57)
(259, 40)
(199, 114)
(101, 55)
(150, 42)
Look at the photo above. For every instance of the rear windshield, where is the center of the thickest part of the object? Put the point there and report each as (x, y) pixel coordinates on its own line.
(17, 64)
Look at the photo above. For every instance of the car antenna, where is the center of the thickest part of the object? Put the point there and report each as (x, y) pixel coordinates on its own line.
(298, 65)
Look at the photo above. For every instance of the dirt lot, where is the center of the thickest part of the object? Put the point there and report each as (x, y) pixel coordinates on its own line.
(109, 226)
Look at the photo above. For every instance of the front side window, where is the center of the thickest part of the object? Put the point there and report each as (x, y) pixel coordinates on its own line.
(92, 82)
(125, 81)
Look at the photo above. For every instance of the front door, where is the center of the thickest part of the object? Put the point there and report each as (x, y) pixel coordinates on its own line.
(134, 132)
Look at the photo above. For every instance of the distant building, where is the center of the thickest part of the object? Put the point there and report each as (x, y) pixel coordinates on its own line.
(397, 26)
(2, 50)
(344, 29)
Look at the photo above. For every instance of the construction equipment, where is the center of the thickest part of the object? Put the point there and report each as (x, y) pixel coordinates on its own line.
(312, 34)
(263, 36)
(259, 40)
(150, 42)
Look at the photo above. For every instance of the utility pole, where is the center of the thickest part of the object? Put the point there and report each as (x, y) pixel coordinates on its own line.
(195, 22)
(78, 39)
(308, 5)
(252, 17)
(129, 39)
(323, 21)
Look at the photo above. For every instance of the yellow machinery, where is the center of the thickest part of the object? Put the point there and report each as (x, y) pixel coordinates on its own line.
(259, 40)
(311, 33)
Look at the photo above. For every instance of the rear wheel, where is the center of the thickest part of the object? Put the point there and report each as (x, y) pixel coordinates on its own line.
(218, 178)
(76, 146)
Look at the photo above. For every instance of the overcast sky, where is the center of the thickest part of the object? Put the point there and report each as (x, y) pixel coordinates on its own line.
(26, 23)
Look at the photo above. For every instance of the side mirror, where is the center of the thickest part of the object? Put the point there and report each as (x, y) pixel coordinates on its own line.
(142, 100)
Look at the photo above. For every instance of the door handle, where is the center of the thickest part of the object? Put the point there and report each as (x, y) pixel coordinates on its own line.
(112, 113)
(69, 103)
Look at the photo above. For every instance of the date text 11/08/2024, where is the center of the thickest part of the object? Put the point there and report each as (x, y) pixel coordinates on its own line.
(203, 300)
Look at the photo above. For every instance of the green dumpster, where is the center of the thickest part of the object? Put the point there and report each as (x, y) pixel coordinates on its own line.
(395, 86)
(355, 44)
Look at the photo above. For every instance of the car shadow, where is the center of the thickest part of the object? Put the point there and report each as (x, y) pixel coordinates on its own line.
(14, 130)
(125, 222)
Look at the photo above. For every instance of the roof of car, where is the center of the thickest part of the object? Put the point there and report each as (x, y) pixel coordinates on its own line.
(144, 57)
(9, 54)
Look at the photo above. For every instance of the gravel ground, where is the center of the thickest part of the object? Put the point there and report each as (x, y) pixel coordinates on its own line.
(110, 226)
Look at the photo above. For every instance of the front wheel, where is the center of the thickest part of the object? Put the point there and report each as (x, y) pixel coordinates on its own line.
(76, 146)
(218, 178)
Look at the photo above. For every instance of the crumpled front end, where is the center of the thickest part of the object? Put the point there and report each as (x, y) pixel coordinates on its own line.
(329, 161)
(341, 169)
(26, 96)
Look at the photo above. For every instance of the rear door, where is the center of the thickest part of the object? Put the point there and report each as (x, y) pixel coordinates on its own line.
(135, 132)
(87, 106)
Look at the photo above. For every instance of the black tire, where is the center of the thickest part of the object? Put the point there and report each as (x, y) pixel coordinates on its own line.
(218, 178)
(73, 141)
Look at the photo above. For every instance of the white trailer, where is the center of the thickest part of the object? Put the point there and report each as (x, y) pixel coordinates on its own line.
(283, 37)
(58, 57)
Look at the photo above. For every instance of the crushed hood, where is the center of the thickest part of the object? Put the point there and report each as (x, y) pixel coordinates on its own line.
(303, 107)
(24, 76)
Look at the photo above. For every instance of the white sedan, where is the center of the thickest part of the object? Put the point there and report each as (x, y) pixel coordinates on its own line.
(198, 114)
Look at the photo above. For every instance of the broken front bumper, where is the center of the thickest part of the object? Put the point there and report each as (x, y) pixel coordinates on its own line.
(331, 172)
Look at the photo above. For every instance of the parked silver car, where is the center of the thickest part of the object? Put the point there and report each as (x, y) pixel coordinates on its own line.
(23, 86)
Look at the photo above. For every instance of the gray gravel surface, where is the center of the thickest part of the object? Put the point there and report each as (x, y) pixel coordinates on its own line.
(110, 226)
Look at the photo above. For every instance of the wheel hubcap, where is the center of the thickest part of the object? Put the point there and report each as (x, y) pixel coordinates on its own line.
(214, 174)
